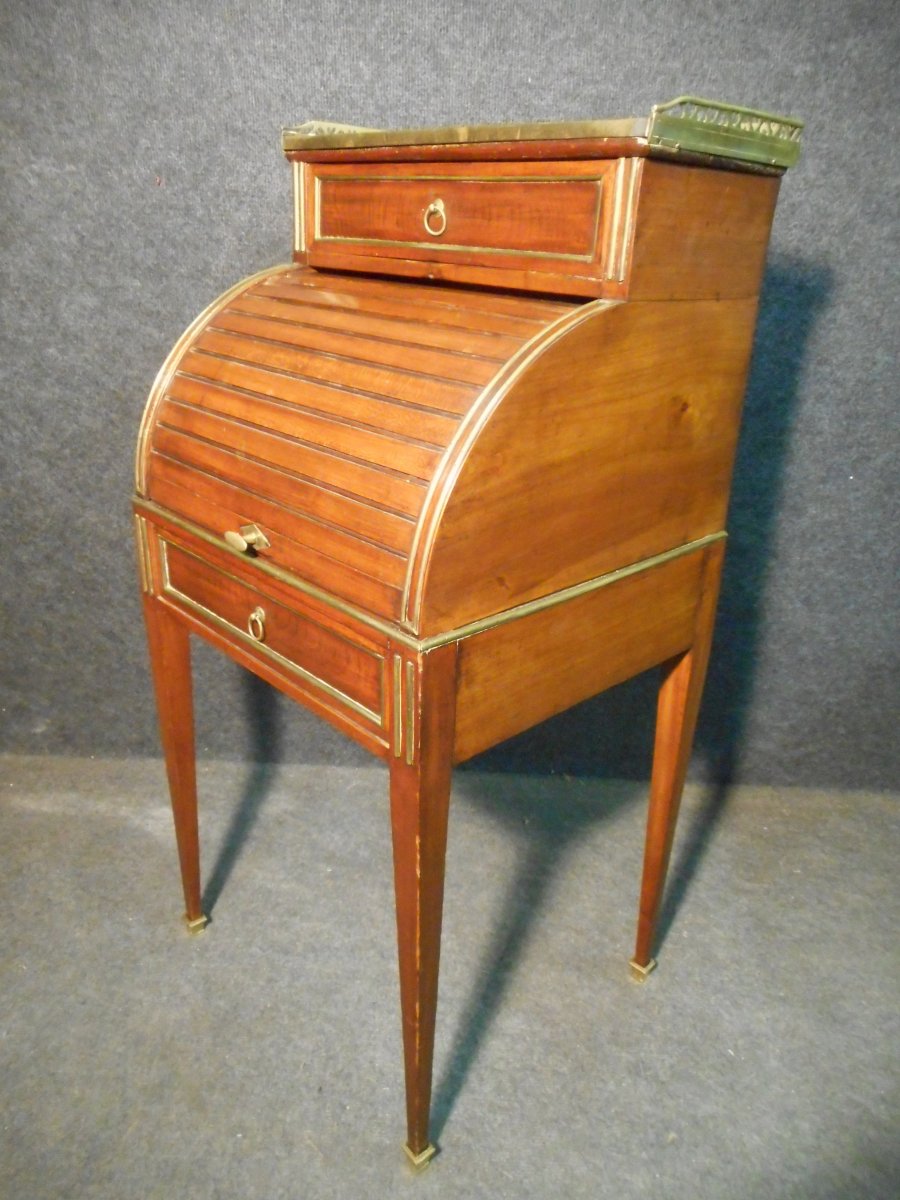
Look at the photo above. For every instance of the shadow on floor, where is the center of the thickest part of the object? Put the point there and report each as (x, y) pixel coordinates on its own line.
(547, 831)
(793, 295)
(263, 718)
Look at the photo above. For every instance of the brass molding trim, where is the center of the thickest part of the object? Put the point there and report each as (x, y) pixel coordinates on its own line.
(276, 572)
(329, 689)
(298, 175)
(689, 124)
(329, 135)
(570, 593)
(453, 459)
(405, 637)
(410, 711)
(627, 176)
(398, 706)
(336, 180)
(142, 543)
(167, 370)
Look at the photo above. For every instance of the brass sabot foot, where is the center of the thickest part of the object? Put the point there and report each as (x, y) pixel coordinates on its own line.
(640, 973)
(421, 1160)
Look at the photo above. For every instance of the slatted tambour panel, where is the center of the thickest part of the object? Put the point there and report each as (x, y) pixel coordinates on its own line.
(318, 407)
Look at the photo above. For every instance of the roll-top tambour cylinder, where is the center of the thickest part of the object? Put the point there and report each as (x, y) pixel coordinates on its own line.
(437, 455)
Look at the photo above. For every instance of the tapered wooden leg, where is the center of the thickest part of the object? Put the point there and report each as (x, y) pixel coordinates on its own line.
(170, 661)
(676, 720)
(420, 795)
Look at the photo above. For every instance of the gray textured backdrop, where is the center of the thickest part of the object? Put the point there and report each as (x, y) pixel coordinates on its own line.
(142, 175)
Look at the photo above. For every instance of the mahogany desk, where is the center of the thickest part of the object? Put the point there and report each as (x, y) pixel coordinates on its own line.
(465, 461)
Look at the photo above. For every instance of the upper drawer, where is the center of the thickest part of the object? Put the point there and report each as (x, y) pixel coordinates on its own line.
(541, 226)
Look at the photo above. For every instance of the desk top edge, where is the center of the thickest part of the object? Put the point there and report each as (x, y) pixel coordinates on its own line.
(687, 124)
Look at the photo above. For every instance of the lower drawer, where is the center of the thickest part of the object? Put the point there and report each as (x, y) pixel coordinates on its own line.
(325, 661)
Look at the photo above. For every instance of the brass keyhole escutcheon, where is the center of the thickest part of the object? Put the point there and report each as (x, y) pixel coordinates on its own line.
(435, 219)
(256, 624)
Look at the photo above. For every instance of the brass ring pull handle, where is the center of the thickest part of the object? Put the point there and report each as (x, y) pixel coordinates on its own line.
(256, 624)
(435, 219)
(247, 538)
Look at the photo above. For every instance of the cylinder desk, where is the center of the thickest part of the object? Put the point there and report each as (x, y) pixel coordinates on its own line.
(464, 461)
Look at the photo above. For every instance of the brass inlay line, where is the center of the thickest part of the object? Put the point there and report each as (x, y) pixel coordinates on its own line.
(410, 711)
(303, 303)
(450, 180)
(330, 690)
(299, 190)
(615, 228)
(434, 299)
(318, 414)
(452, 462)
(343, 531)
(631, 174)
(405, 636)
(321, 484)
(320, 447)
(341, 331)
(398, 708)
(143, 553)
(167, 370)
(324, 383)
(330, 355)
(570, 593)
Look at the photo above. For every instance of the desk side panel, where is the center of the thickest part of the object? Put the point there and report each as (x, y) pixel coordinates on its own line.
(616, 444)
(513, 676)
(700, 233)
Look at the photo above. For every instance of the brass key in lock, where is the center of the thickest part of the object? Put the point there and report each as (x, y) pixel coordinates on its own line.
(246, 539)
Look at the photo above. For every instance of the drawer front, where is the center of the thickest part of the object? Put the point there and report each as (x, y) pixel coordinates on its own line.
(537, 218)
(328, 662)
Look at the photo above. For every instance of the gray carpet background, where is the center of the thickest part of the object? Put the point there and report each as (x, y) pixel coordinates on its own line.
(142, 175)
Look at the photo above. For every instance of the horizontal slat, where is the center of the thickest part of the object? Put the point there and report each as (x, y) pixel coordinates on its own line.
(348, 292)
(429, 295)
(279, 523)
(369, 483)
(394, 452)
(418, 389)
(388, 416)
(387, 529)
(308, 393)
(442, 364)
(405, 329)
(327, 573)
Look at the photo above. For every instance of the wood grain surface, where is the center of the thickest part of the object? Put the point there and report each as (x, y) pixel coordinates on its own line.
(615, 444)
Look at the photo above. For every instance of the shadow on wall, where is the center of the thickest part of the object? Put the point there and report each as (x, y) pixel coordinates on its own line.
(793, 295)
(611, 736)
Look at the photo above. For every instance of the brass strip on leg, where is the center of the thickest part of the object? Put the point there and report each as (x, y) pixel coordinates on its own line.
(410, 712)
